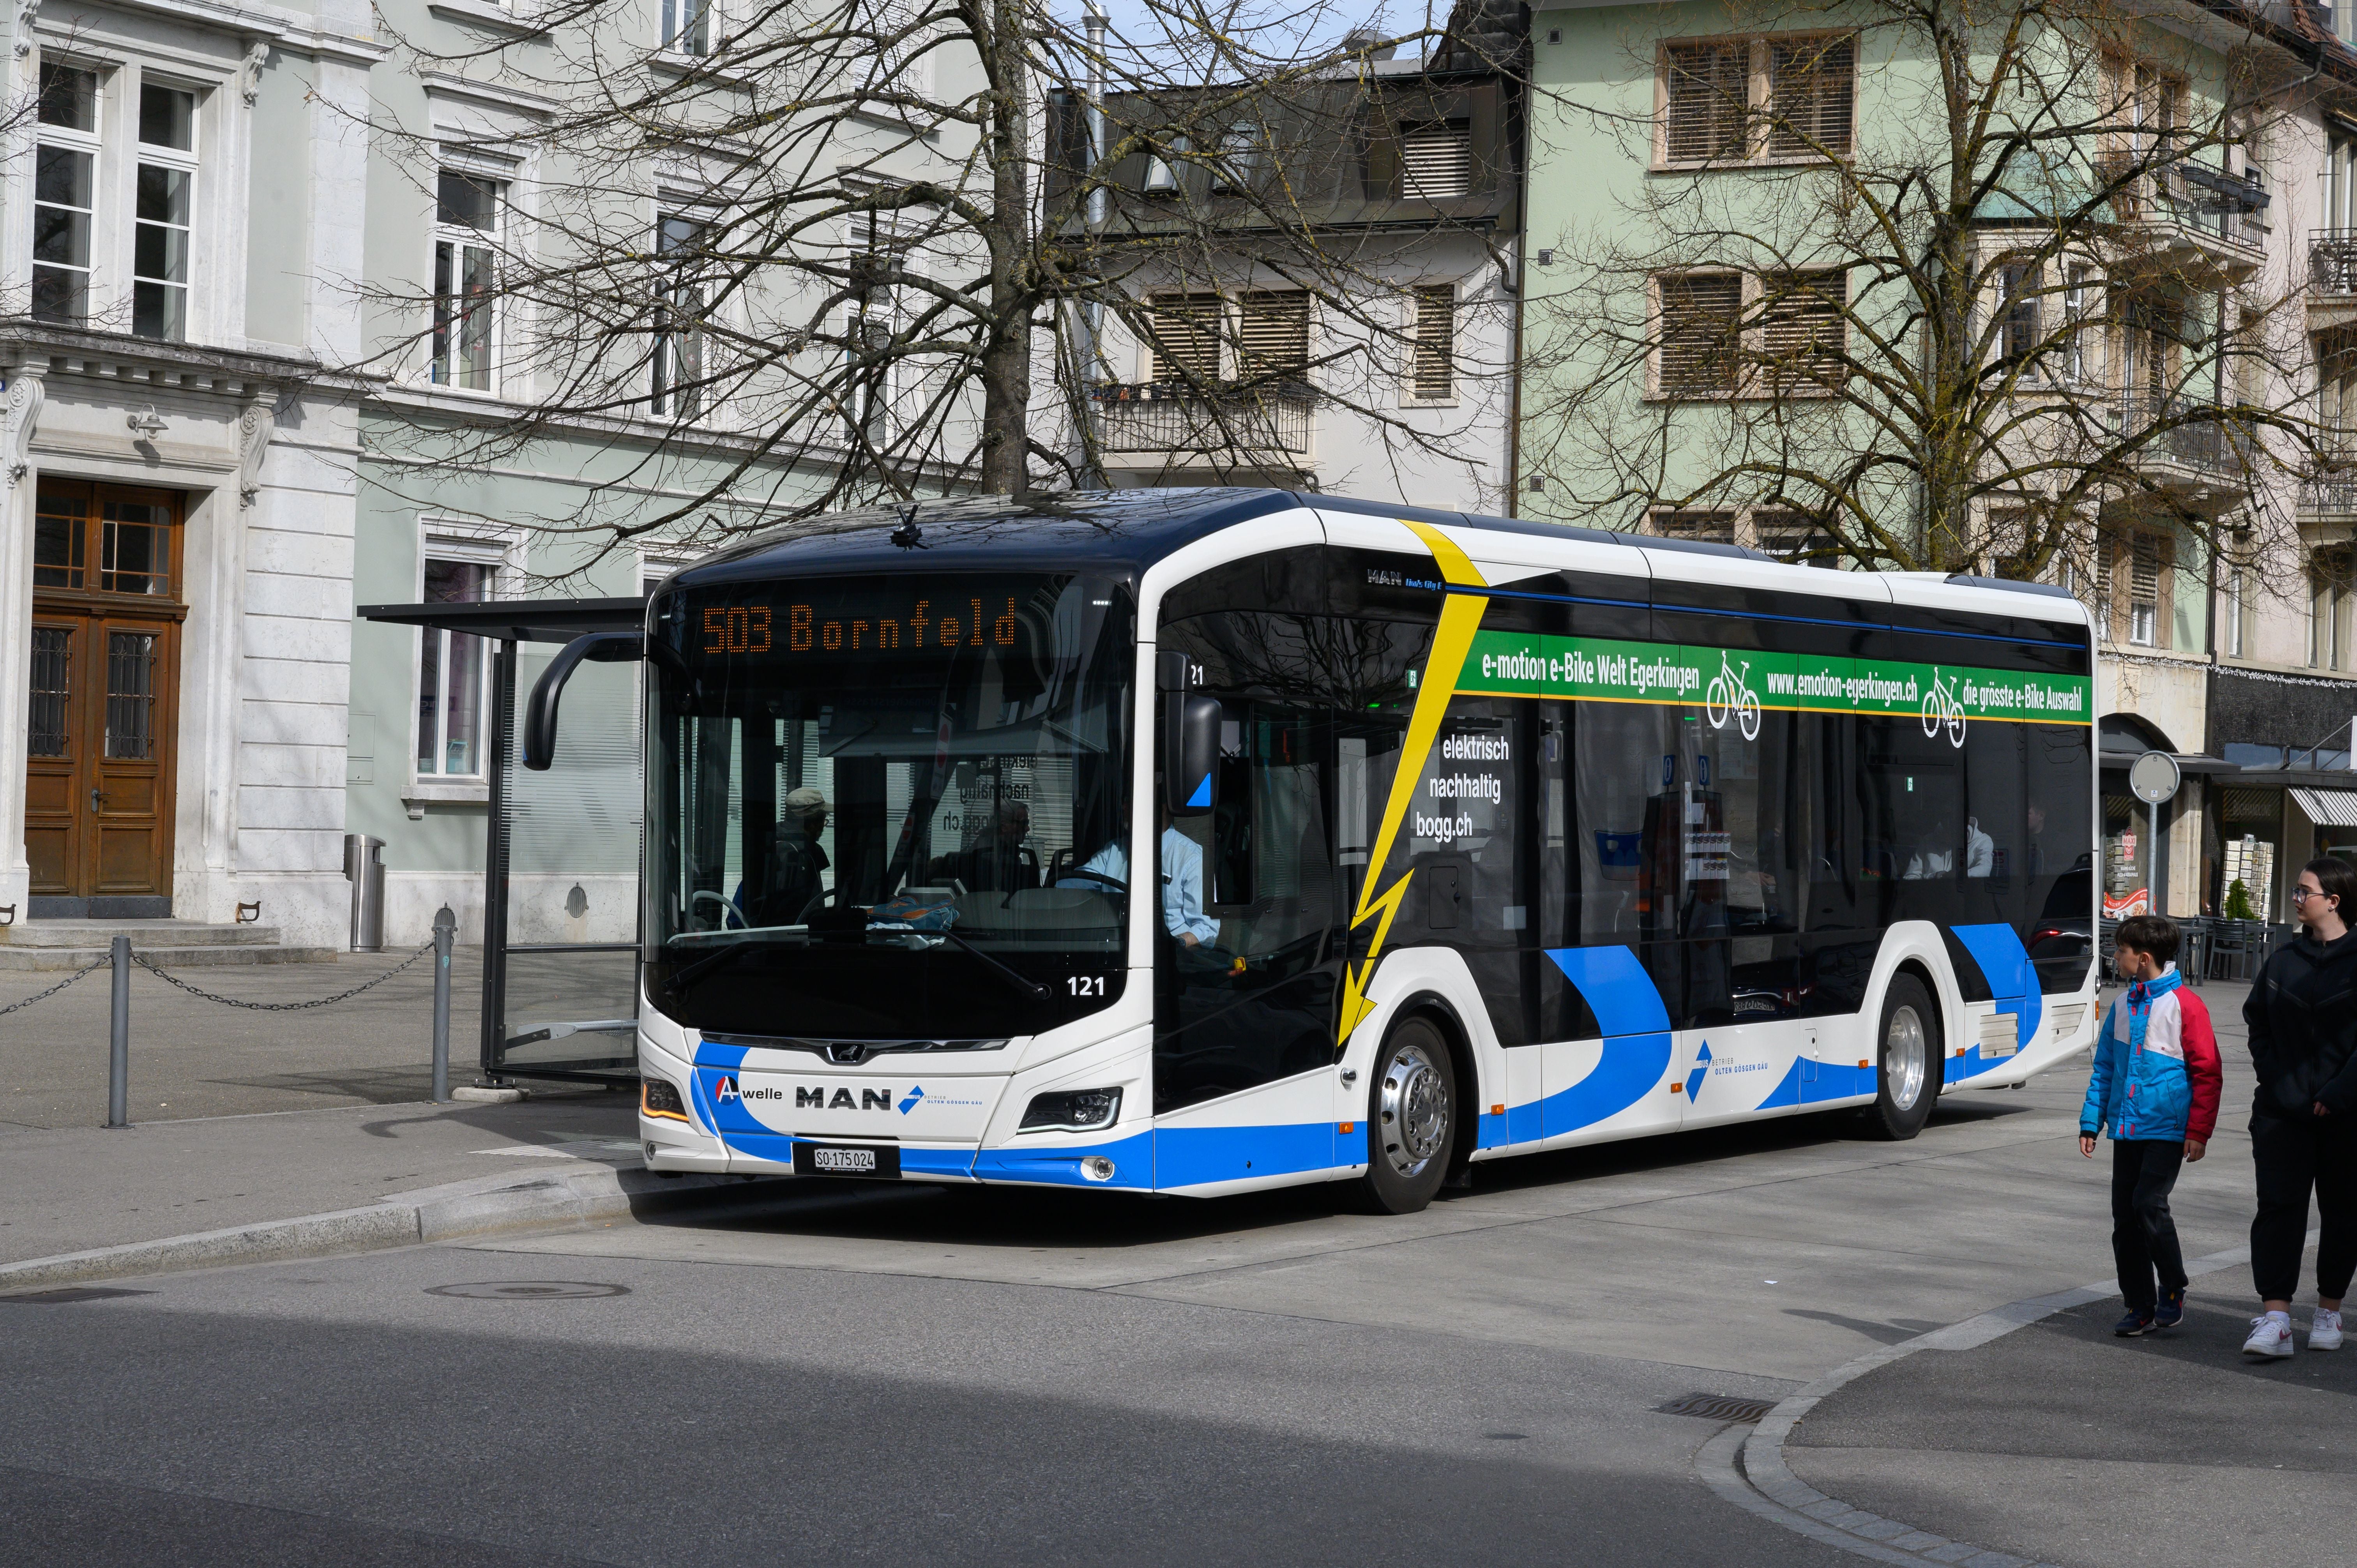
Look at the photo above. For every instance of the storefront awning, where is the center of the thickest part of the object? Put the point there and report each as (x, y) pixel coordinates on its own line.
(2334, 808)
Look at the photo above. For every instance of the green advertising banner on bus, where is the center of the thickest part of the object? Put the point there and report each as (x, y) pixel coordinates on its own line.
(1742, 681)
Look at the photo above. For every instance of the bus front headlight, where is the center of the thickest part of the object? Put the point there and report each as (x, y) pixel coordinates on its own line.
(1074, 1110)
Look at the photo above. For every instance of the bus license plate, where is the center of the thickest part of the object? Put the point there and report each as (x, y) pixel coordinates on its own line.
(846, 1160)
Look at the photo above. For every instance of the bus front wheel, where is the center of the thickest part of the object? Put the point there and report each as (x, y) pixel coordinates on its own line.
(1907, 1076)
(1411, 1119)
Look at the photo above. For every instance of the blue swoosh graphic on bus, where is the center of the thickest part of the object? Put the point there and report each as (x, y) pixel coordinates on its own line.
(1627, 1008)
(2013, 983)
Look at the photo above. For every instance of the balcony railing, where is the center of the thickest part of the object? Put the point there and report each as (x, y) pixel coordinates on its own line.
(2192, 196)
(2334, 497)
(2204, 443)
(2332, 261)
(1149, 416)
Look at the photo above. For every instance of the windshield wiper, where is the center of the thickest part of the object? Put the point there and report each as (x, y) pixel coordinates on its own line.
(1029, 987)
(679, 978)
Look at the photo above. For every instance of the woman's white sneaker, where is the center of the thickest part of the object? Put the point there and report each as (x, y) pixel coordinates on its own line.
(2270, 1334)
(2324, 1330)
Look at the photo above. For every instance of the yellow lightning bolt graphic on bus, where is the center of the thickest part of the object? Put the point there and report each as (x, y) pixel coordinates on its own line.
(1461, 616)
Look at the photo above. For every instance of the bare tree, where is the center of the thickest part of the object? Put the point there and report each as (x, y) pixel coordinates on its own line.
(1992, 285)
(794, 256)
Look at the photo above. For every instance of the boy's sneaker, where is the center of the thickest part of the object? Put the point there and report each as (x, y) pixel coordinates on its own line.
(2138, 1321)
(2171, 1310)
(2270, 1336)
(2324, 1330)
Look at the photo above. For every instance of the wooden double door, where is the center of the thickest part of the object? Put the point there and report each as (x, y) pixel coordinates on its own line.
(107, 612)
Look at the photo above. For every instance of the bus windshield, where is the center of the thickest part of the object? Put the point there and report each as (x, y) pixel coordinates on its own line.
(878, 807)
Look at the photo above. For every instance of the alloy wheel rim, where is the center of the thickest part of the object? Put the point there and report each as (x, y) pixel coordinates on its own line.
(1414, 1112)
(1904, 1058)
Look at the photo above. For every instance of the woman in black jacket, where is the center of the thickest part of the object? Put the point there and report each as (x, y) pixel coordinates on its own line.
(2303, 1020)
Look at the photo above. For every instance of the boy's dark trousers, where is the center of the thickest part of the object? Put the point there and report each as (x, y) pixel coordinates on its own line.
(2144, 1235)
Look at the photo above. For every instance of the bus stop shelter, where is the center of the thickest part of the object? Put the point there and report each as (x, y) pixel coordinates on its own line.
(560, 1010)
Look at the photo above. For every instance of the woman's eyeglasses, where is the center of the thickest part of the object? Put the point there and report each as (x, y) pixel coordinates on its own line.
(2302, 895)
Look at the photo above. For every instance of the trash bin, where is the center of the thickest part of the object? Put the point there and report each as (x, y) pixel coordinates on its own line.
(364, 865)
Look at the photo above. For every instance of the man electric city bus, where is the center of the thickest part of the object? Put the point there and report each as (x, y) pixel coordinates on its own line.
(1199, 842)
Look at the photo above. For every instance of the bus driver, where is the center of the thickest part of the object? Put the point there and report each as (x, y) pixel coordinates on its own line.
(1183, 883)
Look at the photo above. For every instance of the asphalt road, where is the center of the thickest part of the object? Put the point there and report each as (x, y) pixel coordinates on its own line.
(866, 1374)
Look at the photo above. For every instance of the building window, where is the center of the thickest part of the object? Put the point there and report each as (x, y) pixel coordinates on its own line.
(1183, 333)
(2144, 590)
(1812, 83)
(65, 182)
(1802, 336)
(2329, 578)
(2234, 568)
(466, 232)
(2020, 286)
(687, 26)
(1796, 339)
(1706, 94)
(165, 188)
(1436, 161)
(1435, 376)
(1239, 157)
(1796, 537)
(678, 357)
(452, 676)
(1701, 333)
(1709, 527)
(2075, 315)
(1161, 168)
(1272, 334)
(1777, 99)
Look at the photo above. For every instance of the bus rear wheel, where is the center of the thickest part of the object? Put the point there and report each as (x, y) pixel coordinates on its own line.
(1907, 1076)
(1411, 1119)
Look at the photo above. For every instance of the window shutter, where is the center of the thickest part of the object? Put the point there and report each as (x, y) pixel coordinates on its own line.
(1801, 328)
(1701, 313)
(1435, 162)
(1708, 87)
(1186, 347)
(1435, 371)
(1273, 333)
(1811, 85)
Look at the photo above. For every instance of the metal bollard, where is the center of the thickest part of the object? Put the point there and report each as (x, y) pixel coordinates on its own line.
(445, 932)
(118, 1040)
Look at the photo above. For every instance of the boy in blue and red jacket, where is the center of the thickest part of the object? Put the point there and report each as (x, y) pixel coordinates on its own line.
(2154, 1086)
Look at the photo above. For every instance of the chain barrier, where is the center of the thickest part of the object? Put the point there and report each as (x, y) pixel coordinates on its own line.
(52, 990)
(273, 1006)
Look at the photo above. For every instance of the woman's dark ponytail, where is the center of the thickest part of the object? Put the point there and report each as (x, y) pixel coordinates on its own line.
(2338, 880)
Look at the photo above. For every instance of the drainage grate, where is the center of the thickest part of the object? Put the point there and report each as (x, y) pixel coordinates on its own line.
(1719, 1407)
(70, 1294)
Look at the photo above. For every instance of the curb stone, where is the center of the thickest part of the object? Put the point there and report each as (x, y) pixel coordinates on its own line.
(1748, 1469)
(482, 1206)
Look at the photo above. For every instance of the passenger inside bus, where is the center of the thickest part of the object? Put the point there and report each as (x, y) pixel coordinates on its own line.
(999, 864)
(797, 863)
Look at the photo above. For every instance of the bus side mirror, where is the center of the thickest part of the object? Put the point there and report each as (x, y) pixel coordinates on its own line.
(540, 714)
(1190, 754)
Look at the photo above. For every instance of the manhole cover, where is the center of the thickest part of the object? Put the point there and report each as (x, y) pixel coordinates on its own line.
(528, 1290)
(70, 1294)
(1717, 1407)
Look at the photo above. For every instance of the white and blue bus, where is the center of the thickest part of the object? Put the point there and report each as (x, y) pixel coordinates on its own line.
(1201, 842)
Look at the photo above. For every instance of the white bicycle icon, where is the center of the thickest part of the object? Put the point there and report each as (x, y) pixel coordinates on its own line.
(1940, 707)
(1729, 694)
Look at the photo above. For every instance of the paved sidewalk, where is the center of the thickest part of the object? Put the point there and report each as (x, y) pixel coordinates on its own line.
(75, 1189)
(194, 1058)
(2060, 1444)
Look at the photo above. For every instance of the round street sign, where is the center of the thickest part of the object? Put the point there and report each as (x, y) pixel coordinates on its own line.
(2153, 778)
